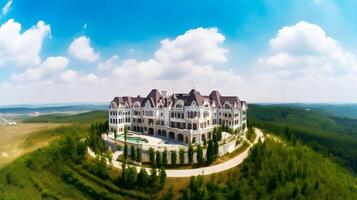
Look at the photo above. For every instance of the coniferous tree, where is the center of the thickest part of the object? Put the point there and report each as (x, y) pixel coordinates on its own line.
(132, 153)
(125, 133)
(199, 155)
(123, 172)
(215, 148)
(182, 156)
(138, 154)
(125, 151)
(209, 152)
(173, 158)
(158, 159)
(115, 133)
(151, 154)
(153, 176)
(143, 178)
(190, 154)
(164, 158)
(162, 177)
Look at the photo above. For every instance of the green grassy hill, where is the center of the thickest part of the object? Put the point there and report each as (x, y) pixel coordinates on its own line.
(87, 117)
(332, 136)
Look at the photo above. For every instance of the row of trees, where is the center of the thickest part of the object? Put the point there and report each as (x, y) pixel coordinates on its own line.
(130, 178)
(94, 140)
(159, 159)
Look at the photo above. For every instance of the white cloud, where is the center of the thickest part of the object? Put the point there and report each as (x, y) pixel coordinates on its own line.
(69, 76)
(46, 70)
(177, 58)
(305, 65)
(21, 49)
(304, 49)
(201, 45)
(6, 8)
(81, 49)
(108, 64)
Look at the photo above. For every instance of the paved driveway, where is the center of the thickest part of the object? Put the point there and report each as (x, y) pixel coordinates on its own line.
(204, 170)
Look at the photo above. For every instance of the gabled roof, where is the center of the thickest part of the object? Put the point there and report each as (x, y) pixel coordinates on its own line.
(155, 97)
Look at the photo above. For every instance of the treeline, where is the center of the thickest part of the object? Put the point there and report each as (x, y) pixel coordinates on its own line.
(161, 159)
(334, 137)
(94, 139)
(278, 171)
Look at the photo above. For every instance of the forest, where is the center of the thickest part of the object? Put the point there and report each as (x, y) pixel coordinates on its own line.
(332, 136)
(278, 170)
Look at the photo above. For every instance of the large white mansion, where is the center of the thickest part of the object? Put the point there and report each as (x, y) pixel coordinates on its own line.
(187, 118)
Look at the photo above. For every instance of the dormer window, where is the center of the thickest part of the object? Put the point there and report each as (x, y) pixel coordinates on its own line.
(227, 106)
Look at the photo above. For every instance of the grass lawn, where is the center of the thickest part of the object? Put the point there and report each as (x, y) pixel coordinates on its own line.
(23, 138)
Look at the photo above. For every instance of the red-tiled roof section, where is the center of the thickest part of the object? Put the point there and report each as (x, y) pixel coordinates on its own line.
(155, 97)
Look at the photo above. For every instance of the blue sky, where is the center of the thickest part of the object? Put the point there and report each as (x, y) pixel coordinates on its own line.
(133, 30)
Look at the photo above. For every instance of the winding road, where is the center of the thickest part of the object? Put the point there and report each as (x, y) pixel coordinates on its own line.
(199, 171)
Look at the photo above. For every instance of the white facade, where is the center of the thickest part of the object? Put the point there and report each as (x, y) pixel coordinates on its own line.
(187, 118)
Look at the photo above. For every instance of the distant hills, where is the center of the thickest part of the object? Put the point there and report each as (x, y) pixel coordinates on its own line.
(334, 110)
(58, 108)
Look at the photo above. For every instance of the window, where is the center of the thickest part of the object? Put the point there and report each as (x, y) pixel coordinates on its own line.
(172, 114)
(194, 126)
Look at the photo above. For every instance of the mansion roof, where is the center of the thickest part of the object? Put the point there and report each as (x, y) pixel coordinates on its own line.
(156, 99)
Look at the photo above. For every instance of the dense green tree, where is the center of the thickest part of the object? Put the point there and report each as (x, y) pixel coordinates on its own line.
(173, 158)
(143, 178)
(130, 177)
(190, 154)
(125, 133)
(153, 177)
(158, 159)
(182, 156)
(215, 149)
(125, 151)
(164, 158)
(132, 153)
(199, 155)
(219, 135)
(115, 133)
(162, 177)
(151, 155)
(210, 153)
(138, 154)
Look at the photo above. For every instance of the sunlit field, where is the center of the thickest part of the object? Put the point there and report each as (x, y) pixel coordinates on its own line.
(23, 138)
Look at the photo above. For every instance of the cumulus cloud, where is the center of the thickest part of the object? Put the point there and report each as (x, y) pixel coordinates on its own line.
(187, 55)
(305, 64)
(304, 49)
(201, 45)
(108, 64)
(46, 70)
(81, 49)
(6, 8)
(21, 49)
(69, 76)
